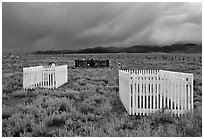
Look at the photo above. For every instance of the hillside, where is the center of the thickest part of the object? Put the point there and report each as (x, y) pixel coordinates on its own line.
(175, 48)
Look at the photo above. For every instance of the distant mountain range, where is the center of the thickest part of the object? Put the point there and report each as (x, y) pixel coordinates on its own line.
(175, 48)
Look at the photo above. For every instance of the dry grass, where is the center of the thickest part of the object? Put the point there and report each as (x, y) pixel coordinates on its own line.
(89, 104)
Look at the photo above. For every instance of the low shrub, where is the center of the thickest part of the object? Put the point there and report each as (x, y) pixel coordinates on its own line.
(70, 95)
(72, 125)
(55, 121)
(161, 117)
(18, 124)
(13, 83)
(65, 133)
(85, 109)
(7, 112)
(20, 94)
(40, 130)
(97, 132)
(64, 107)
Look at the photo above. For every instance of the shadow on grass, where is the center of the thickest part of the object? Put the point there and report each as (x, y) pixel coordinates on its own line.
(117, 106)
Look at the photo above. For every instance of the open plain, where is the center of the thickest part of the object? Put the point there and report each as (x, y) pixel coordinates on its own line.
(88, 104)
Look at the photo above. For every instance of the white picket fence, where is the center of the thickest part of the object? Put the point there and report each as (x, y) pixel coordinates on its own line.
(146, 91)
(44, 76)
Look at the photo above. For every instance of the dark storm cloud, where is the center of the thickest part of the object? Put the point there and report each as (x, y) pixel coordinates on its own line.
(41, 26)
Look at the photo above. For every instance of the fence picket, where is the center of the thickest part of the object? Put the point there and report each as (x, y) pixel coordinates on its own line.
(162, 90)
(189, 94)
(136, 94)
(175, 93)
(150, 92)
(140, 93)
(191, 91)
(146, 91)
(158, 92)
(167, 91)
(130, 95)
(179, 94)
(133, 95)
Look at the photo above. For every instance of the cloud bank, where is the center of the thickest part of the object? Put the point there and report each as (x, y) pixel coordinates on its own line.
(42, 26)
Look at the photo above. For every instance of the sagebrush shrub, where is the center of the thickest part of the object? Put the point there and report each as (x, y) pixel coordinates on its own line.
(85, 109)
(55, 122)
(163, 115)
(14, 82)
(20, 93)
(19, 123)
(7, 112)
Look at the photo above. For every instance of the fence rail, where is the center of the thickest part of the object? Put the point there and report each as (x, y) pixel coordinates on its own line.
(46, 77)
(146, 91)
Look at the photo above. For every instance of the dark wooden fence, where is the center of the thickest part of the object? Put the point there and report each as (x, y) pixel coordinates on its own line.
(92, 63)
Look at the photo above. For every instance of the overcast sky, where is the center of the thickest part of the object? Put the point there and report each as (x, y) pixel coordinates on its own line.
(43, 26)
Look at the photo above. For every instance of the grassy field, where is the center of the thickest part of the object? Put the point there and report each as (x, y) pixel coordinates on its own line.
(88, 104)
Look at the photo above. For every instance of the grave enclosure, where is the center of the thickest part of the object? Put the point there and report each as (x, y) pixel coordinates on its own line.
(146, 91)
(44, 77)
(92, 63)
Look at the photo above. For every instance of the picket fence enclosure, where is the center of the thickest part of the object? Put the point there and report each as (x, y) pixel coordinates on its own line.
(44, 77)
(146, 91)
